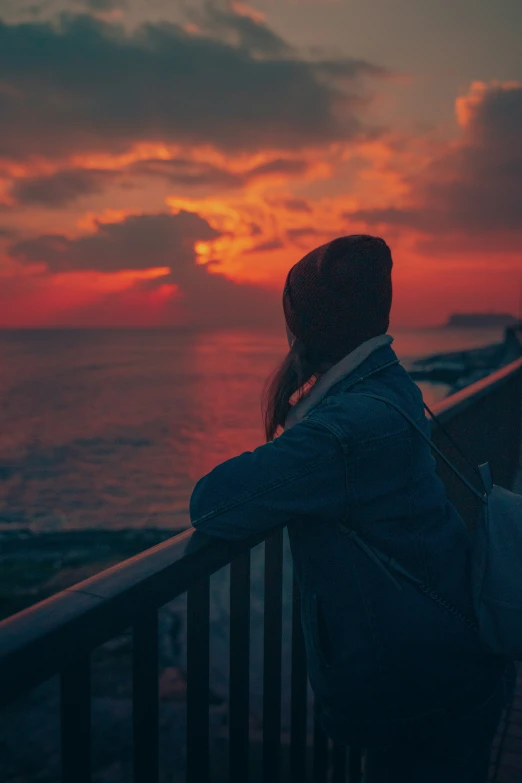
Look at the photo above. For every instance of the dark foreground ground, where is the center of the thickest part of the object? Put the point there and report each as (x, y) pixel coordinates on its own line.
(507, 750)
(506, 757)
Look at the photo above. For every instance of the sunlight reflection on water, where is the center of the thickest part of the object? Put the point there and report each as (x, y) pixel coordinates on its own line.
(111, 429)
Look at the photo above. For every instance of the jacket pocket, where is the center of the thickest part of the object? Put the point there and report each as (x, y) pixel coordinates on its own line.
(320, 636)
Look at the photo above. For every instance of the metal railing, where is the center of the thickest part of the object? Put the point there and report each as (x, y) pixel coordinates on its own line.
(485, 420)
(58, 635)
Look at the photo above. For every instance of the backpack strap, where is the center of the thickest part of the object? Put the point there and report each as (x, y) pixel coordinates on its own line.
(480, 496)
(487, 478)
(455, 444)
(391, 562)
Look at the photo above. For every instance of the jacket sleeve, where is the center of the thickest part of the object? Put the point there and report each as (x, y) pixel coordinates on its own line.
(298, 476)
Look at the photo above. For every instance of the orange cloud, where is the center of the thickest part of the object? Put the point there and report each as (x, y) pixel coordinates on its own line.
(91, 220)
(251, 13)
(468, 107)
(267, 190)
(468, 196)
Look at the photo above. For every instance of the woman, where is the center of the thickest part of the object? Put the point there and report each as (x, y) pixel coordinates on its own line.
(391, 669)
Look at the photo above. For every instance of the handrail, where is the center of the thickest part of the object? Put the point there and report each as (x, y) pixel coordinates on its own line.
(37, 642)
(457, 402)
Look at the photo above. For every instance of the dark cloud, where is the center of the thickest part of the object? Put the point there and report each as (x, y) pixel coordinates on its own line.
(475, 188)
(6, 233)
(187, 172)
(9, 7)
(279, 166)
(138, 242)
(241, 30)
(57, 190)
(64, 187)
(297, 205)
(161, 240)
(413, 218)
(270, 244)
(305, 231)
(192, 173)
(102, 5)
(78, 83)
(348, 68)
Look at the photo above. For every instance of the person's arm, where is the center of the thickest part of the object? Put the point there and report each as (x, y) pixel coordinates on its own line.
(300, 475)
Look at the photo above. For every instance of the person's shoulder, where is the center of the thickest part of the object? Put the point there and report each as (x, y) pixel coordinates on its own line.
(356, 416)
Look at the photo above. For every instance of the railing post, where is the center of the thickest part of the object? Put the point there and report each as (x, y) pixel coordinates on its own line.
(198, 642)
(272, 637)
(239, 668)
(145, 699)
(354, 764)
(298, 692)
(76, 721)
(338, 763)
(320, 762)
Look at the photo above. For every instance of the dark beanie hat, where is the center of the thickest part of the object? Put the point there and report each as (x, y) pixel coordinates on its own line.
(340, 294)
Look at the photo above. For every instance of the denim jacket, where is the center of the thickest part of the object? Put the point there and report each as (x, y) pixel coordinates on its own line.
(377, 652)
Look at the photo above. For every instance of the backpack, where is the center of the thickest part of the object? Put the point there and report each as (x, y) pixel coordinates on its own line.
(496, 559)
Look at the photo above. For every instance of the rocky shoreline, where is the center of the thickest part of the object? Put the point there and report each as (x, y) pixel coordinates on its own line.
(34, 566)
(462, 368)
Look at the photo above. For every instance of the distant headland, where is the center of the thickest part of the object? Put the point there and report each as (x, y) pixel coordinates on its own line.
(481, 319)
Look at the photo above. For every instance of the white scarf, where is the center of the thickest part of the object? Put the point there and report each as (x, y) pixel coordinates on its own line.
(334, 374)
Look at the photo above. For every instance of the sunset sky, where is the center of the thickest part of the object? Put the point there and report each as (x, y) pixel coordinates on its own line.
(166, 162)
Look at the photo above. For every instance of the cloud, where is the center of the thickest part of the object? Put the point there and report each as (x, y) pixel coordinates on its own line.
(183, 171)
(66, 186)
(205, 296)
(297, 205)
(137, 242)
(240, 27)
(474, 189)
(79, 84)
(279, 166)
(103, 5)
(303, 231)
(265, 247)
(194, 173)
(61, 188)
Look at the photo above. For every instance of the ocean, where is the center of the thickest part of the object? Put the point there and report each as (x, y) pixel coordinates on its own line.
(111, 429)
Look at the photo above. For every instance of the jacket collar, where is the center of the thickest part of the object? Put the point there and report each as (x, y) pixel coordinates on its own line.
(347, 366)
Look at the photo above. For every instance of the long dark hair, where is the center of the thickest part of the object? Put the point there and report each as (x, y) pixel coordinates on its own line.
(293, 378)
(298, 371)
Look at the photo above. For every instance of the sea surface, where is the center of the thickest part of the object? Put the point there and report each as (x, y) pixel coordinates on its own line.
(111, 429)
